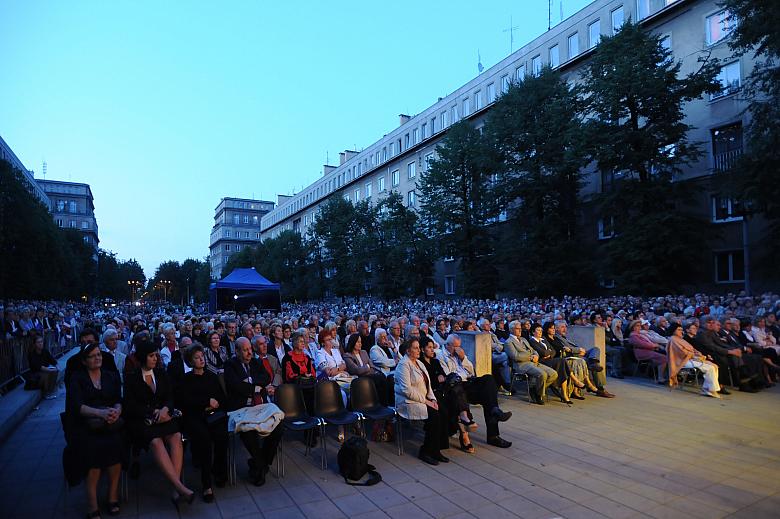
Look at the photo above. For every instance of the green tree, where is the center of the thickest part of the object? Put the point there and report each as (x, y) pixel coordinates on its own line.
(459, 202)
(401, 261)
(537, 131)
(755, 180)
(636, 97)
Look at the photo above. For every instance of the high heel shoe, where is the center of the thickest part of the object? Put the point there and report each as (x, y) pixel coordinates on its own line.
(471, 425)
(465, 447)
(566, 401)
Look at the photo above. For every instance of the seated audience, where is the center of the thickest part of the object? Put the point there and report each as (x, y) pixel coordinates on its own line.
(645, 349)
(525, 361)
(500, 359)
(591, 372)
(547, 356)
(215, 353)
(682, 354)
(43, 369)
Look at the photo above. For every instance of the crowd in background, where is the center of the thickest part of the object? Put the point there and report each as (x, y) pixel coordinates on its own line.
(149, 372)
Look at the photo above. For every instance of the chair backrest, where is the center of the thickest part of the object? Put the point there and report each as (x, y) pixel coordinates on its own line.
(327, 398)
(363, 394)
(289, 398)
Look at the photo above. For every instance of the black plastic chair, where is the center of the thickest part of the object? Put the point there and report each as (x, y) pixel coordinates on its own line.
(329, 409)
(289, 398)
(364, 400)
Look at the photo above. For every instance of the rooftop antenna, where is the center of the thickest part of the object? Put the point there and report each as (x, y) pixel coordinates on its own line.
(480, 68)
(511, 31)
(327, 157)
(44, 170)
(549, 14)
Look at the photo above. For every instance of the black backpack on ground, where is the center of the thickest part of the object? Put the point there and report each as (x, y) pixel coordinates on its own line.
(353, 462)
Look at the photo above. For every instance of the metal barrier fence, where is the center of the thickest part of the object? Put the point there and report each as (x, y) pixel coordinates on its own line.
(14, 351)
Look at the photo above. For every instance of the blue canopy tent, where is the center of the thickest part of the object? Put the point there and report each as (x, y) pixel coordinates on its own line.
(242, 289)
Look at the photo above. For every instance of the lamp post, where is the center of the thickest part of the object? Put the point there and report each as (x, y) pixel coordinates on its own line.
(188, 290)
(166, 285)
(133, 285)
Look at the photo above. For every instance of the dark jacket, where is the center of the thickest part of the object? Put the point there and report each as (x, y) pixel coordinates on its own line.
(239, 389)
(543, 348)
(195, 391)
(709, 343)
(140, 401)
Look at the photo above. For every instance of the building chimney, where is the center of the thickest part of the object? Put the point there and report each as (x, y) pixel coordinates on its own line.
(327, 168)
(342, 158)
(403, 119)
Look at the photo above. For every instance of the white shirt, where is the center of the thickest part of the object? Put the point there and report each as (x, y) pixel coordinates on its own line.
(327, 360)
(452, 364)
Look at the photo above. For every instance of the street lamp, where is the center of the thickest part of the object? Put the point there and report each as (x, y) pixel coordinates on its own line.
(166, 285)
(133, 285)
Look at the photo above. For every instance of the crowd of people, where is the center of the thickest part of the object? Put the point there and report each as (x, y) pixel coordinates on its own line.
(145, 375)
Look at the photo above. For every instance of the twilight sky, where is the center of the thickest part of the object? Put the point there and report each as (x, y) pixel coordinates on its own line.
(165, 107)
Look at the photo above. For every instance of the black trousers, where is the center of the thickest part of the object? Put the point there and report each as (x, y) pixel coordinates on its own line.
(482, 390)
(262, 450)
(436, 436)
(209, 446)
(380, 382)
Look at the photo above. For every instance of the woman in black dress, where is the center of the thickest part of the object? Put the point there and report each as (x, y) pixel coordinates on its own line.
(150, 417)
(547, 357)
(202, 399)
(93, 426)
(451, 395)
(43, 368)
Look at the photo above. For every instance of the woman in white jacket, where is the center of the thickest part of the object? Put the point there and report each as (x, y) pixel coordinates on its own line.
(414, 400)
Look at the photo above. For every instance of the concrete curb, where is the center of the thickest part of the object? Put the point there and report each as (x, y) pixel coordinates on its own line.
(16, 405)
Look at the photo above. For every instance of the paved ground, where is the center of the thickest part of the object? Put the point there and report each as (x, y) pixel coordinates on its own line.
(647, 453)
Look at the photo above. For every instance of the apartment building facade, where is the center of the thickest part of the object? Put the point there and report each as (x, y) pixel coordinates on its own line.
(7, 154)
(691, 29)
(72, 206)
(236, 225)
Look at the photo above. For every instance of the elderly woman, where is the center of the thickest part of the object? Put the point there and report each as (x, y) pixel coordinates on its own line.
(579, 375)
(94, 409)
(170, 346)
(645, 349)
(682, 354)
(613, 329)
(151, 418)
(360, 365)
(215, 354)
(382, 353)
(43, 369)
(202, 398)
(415, 400)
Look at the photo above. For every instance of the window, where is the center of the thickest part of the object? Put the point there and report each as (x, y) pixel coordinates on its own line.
(606, 227)
(357, 195)
(607, 283)
(454, 112)
(719, 25)
(477, 100)
(227, 233)
(505, 84)
(246, 218)
(85, 225)
(411, 199)
(729, 266)
(396, 177)
(415, 136)
(726, 146)
(236, 219)
(238, 247)
(444, 119)
(429, 291)
(60, 206)
(491, 92)
(72, 224)
(725, 210)
(227, 247)
(433, 125)
(536, 65)
(257, 236)
(255, 220)
(71, 206)
(466, 107)
(369, 186)
(449, 285)
(384, 154)
(573, 43)
(594, 34)
(246, 234)
(411, 169)
(380, 184)
(617, 19)
(555, 58)
(85, 238)
(424, 130)
(59, 222)
(607, 181)
(520, 73)
(346, 197)
(729, 78)
(407, 141)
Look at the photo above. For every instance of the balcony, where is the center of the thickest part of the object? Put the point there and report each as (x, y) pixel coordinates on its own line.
(723, 162)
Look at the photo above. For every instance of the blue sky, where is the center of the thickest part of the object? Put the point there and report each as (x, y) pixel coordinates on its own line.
(165, 107)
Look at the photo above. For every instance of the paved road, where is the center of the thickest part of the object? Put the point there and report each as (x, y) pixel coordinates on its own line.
(647, 453)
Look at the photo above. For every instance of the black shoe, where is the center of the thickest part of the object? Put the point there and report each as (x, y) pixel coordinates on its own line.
(724, 391)
(539, 400)
(441, 458)
(498, 441)
(748, 389)
(259, 478)
(501, 416)
(427, 459)
(577, 397)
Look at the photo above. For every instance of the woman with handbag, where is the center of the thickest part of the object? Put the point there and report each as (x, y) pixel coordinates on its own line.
(204, 420)
(360, 365)
(152, 419)
(94, 423)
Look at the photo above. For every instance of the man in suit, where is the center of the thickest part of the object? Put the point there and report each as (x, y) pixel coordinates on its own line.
(87, 336)
(727, 358)
(229, 338)
(248, 384)
(525, 361)
(110, 346)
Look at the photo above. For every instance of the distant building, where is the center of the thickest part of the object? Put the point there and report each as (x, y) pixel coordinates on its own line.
(72, 206)
(691, 29)
(236, 225)
(6, 153)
